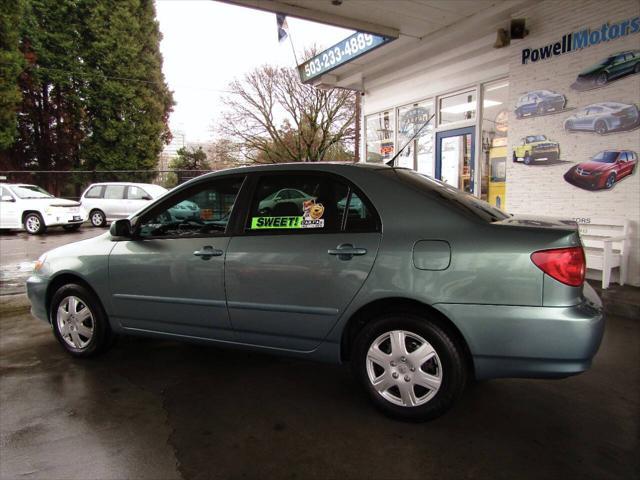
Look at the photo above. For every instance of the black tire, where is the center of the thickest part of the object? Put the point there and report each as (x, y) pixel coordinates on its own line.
(72, 228)
(515, 158)
(540, 109)
(636, 69)
(102, 337)
(527, 158)
(34, 224)
(453, 368)
(601, 127)
(98, 218)
(611, 181)
(602, 79)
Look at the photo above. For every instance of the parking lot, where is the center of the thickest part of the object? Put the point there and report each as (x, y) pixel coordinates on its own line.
(159, 409)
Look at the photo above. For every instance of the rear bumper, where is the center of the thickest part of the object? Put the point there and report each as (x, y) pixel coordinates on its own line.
(543, 342)
(55, 219)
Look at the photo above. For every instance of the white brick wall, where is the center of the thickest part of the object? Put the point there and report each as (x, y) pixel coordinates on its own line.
(541, 189)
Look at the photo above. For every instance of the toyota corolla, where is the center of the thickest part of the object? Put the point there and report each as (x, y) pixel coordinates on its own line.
(419, 286)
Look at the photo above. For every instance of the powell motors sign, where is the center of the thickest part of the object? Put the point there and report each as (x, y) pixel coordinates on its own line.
(582, 39)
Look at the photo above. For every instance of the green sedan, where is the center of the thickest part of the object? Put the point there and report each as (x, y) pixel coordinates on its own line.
(420, 287)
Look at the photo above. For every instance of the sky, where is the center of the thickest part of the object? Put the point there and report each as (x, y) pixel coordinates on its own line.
(206, 44)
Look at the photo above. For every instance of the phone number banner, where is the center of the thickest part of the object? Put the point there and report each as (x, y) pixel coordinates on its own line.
(351, 47)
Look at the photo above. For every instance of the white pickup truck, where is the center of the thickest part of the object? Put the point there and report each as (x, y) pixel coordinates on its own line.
(34, 209)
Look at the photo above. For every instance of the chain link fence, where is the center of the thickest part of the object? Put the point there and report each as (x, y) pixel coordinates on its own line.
(71, 184)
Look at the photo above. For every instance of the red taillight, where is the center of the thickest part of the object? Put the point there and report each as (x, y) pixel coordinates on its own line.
(567, 265)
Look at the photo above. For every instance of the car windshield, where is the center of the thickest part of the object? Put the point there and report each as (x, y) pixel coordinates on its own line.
(30, 191)
(606, 157)
(536, 138)
(455, 197)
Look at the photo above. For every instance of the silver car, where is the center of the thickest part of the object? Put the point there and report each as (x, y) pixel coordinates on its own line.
(106, 202)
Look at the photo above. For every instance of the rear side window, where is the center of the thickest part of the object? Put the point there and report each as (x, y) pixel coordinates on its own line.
(114, 192)
(454, 197)
(95, 192)
(137, 193)
(358, 216)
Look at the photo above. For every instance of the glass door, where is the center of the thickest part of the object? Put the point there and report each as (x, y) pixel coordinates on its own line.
(455, 163)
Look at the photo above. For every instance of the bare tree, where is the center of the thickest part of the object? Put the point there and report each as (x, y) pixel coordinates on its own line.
(276, 118)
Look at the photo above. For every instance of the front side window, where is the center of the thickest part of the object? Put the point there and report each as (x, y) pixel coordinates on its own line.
(114, 192)
(203, 210)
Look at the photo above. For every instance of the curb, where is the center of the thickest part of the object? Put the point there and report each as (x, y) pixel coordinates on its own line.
(18, 303)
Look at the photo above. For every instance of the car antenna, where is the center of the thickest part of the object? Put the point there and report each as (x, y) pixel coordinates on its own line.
(393, 159)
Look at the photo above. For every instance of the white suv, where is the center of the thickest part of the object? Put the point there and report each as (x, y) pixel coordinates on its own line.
(34, 209)
(109, 201)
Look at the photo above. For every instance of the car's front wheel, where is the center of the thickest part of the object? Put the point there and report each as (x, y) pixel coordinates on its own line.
(602, 79)
(34, 224)
(98, 219)
(527, 158)
(611, 181)
(79, 321)
(411, 368)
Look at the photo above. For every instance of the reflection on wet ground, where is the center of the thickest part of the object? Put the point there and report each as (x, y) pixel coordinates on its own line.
(159, 409)
(19, 251)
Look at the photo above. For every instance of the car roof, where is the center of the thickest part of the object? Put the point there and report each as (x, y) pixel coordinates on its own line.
(608, 105)
(124, 183)
(18, 185)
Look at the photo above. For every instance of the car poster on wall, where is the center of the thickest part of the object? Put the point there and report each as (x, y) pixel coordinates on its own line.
(540, 102)
(604, 170)
(603, 118)
(534, 148)
(611, 68)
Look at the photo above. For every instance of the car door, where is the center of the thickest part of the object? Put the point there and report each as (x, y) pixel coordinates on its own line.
(290, 275)
(114, 202)
(136, 198)
(169, 278)
(9, 210)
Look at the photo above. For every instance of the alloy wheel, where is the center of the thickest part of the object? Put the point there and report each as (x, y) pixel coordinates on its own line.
(611, 179)
(601, 128)
(404, 368)
(33, 224)
(97, 219)
(75, 322)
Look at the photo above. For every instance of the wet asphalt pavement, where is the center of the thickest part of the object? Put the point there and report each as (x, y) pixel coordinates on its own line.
(158, 409)
(19, 251)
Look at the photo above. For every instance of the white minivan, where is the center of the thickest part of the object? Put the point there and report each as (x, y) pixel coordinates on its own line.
(110, 201)
(34, 209)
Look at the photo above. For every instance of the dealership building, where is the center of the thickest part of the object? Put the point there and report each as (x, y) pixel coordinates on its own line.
(533, 104)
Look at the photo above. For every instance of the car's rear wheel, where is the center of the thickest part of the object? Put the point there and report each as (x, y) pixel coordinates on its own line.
(79, 321)
(411, 368)
(611, 180)
(602, 79)
(636, 69)
(34, 224)
(72, 228)
(98, 218)
(601, 127)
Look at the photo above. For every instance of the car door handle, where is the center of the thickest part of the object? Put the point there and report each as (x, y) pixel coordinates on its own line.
(345, 251)
(207, 252)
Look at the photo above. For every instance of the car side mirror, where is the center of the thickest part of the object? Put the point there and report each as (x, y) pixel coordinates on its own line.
(7, 198)
(147, 197)
(121, 228)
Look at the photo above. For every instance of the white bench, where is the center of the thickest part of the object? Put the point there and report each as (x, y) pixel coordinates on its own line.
(606, 246)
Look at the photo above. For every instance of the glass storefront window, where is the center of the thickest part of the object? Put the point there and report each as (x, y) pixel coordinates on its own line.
(495, 128)
(419, 154)
(380, 136)
(458, 107)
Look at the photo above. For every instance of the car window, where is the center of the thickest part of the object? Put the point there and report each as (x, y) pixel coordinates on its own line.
(595, 109)
(358, 217)
(30, 191)
(95, 192)
(623, 157)
(5, 192)
(137, 193)
(314, 208)
(114, 192)
(203, 210)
